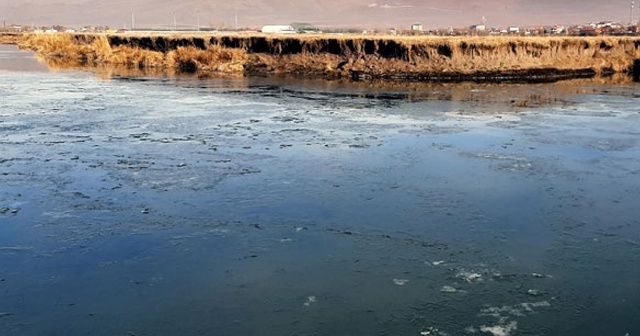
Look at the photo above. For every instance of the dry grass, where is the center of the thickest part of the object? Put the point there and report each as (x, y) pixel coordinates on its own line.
(473, 54)
(340, 55)
(89, 51)
(77, 50)
(135, 57)
(389, 55)
(214, 58)
(10, 38)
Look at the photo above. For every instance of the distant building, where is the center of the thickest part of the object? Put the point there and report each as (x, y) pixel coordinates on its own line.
(305, 28)
(479, 28)
(416, 27)
(589, 31)
(555, 29)
(606, 24)
(514, 30)
(278, 29)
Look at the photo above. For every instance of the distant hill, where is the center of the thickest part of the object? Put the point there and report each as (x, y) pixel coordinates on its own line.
(343, 13)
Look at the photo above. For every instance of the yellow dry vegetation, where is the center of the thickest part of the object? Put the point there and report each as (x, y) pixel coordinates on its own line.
(339, 55)
(86, 50)
(10, 38)
(92, 50)
(135, 57)
(213, 58)
(470, 54)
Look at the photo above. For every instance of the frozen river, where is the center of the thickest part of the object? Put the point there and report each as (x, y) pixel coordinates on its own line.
(163, 205)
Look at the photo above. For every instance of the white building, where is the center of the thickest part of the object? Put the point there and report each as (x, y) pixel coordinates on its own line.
(278, 29)
(479, 27)
(416, 27)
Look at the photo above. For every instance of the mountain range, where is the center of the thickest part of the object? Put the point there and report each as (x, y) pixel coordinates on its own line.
(326, 13)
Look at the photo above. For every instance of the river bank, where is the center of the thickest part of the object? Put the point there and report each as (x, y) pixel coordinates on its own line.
(440, 59)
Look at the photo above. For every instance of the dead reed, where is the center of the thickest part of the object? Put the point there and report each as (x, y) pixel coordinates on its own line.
(10, 38)
(213, 58)
(335, 56)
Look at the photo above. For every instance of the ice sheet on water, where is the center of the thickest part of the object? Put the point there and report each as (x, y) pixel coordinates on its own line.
(310, 300)
(500, 330)
(448, 289)
(469, 277)
(432, 331)
(505, 323)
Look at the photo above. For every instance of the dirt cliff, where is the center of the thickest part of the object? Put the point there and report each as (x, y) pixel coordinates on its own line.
(357, 57)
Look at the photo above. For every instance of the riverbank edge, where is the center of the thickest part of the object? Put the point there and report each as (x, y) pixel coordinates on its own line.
(423, 59)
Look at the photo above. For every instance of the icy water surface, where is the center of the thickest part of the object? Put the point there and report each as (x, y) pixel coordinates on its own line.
(185, 206)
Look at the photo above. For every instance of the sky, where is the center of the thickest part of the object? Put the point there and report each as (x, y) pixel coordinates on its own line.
(327, 13)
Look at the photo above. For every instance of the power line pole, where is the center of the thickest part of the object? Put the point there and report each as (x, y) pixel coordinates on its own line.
(133, 21)
(633, 3)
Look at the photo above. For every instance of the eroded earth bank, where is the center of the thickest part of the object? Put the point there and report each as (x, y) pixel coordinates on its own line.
(448, 59)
